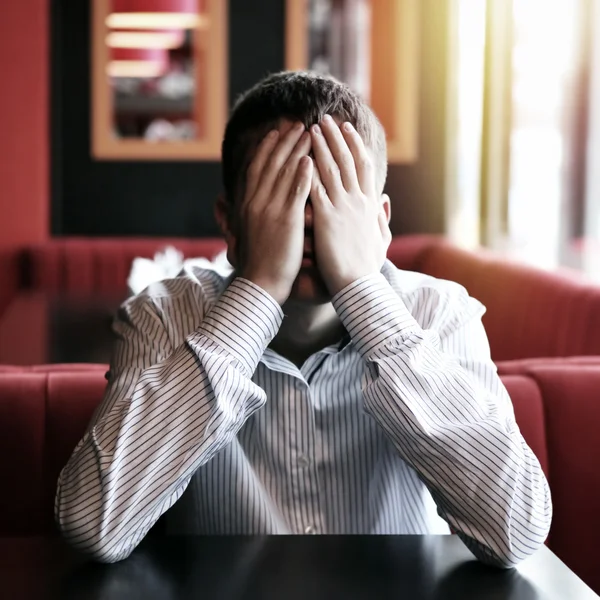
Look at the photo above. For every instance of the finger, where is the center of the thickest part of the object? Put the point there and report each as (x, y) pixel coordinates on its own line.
(341, 153)
(318, 194)
(287, 173)
(300, 189)
(326, 164)
(362, 161)
(278, 157)
(257, 164)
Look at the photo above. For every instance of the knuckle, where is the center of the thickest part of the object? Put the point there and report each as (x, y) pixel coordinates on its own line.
(273, 163)
(333, 170)
(286, 218)
(347, 160)
(285, 172)
(365, 162)
(253, 210)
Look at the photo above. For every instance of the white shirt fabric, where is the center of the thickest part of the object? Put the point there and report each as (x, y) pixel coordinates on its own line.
(402, 428)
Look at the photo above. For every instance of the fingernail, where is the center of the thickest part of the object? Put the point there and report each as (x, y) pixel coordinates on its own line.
(348, 127)
(273, 133)
(328, 118)
(316, 129)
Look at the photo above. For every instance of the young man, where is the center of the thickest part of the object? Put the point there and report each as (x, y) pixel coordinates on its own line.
(318, 389)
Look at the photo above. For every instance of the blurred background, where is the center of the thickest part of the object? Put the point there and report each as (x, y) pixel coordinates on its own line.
(112, 113)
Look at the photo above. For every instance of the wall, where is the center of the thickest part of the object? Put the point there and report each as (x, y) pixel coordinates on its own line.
(417, 190)
(109, 198)
(24, 194)
(24, 190)
(156, 198)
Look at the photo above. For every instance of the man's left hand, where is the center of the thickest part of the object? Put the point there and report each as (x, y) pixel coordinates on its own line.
(351, 233)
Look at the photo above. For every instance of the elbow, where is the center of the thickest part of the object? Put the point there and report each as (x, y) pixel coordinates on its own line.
(510, 551)
(94, 544)
(87, 535)
(517, 546)
(502, 560)
(105, 553)
(524, 534)
(511, 557)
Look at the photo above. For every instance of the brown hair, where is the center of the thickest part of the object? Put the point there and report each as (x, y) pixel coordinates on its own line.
(297, 96)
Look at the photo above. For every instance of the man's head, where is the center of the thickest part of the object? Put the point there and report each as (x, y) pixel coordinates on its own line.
(277, 102)
(294, 96)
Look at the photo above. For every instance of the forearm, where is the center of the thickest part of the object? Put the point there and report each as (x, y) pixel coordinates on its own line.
(486, 482)
(443, 406)
(165, 421)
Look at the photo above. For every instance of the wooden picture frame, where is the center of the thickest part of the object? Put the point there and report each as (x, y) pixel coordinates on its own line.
(210, 108)
(394, 67)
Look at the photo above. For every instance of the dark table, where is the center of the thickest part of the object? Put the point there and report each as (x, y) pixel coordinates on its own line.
(45, 328)
(282, 567)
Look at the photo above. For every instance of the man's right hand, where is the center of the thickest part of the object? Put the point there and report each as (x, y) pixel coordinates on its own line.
(272, 212)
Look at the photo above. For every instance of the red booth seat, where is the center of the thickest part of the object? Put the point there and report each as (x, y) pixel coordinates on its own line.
(101, 264)
(44, 412)
(530, 312)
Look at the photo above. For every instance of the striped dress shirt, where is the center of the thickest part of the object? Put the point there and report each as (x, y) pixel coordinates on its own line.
(404, 429)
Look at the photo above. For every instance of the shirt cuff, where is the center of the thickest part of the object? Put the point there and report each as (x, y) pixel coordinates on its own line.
(243, 322)
(373, 313)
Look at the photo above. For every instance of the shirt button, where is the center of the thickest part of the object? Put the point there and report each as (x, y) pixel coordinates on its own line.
(303, 461)
(310, 530)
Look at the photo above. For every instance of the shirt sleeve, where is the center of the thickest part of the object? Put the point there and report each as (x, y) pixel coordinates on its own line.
(166, 411)
(437, 395)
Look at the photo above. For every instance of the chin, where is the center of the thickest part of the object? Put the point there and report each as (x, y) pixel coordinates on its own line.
(309, 288)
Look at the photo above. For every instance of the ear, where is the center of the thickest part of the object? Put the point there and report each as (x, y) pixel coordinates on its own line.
(224, 216)
(387, 206)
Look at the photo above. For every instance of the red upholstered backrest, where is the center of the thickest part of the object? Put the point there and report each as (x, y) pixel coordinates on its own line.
(529, 411)
(101, 264)
(570, 391)
(22, 440)
(44, 412)
(405, 251)
(530, 312)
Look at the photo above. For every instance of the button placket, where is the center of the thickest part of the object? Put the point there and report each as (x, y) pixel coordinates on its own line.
(304, 479)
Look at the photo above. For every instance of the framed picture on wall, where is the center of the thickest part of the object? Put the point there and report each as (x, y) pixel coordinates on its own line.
(159, 79)
(373, 45)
